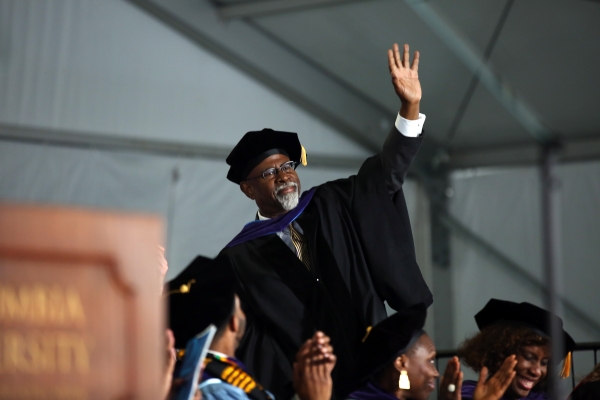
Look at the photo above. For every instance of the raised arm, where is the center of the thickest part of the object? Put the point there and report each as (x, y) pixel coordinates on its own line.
(401, 147)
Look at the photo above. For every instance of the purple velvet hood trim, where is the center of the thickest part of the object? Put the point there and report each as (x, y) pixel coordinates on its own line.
(371, 391)
(468, 388)
(256, 229)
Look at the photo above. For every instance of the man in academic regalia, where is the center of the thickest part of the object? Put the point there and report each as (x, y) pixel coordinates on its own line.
(328, 259)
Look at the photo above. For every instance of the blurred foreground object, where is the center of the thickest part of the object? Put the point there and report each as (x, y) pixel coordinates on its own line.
(79, 313)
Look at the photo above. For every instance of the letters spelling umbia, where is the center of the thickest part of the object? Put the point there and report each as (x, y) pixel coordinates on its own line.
(41, 305)
(42, 351)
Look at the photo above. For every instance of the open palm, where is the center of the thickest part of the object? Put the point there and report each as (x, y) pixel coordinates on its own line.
(405, 76)
(494, 388)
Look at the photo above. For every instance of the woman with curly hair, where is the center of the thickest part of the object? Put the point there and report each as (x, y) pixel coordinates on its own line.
(589, 387)
(508, 328)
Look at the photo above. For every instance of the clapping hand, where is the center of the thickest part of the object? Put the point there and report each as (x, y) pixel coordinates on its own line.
(451, 383)
(312, 370)
(486, 389)
(494, 388)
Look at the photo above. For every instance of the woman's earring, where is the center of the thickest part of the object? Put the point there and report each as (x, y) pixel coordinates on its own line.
(403, 382)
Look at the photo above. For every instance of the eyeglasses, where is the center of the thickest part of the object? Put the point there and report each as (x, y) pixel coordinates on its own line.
(286, 168)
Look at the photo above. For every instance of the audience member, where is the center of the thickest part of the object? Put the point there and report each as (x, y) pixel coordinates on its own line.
(520, 329)
(397, 361)
(198, 302)
(589, 387)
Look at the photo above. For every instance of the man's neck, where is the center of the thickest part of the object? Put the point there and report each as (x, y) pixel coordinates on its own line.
(223, 347)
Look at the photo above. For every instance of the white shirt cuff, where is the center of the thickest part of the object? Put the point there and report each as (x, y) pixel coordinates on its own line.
(409, 127)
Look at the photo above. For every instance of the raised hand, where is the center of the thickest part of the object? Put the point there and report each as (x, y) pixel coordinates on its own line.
(494, 388)
(312, 370)
(405, 78)
(452, 376)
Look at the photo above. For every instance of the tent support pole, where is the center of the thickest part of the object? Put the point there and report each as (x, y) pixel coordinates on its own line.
(552, 257)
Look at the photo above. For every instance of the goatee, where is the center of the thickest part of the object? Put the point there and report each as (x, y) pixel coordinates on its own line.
(288, 201)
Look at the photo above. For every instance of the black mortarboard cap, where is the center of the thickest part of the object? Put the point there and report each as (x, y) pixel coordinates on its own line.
(201, 295)
(255, 146)
(522, 314)
(388, 339)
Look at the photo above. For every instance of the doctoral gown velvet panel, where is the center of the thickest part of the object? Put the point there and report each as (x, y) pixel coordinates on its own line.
(362, 253)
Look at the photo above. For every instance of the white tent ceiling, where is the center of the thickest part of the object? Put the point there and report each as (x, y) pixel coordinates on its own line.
(329, 56)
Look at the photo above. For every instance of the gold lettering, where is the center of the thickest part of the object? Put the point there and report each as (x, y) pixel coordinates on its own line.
(43, 355)
(56, 305)
(44, 352)
(63, 354)
(41, 305)
(14, 353)
(37, 311)
(11, 306)
(74, 306)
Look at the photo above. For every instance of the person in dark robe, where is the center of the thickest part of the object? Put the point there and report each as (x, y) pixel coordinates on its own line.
(203, 296)
(521, 329)
(328, 258)
(397, 362)
(589, 387)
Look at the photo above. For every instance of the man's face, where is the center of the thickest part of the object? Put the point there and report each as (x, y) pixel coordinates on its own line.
(278, 193)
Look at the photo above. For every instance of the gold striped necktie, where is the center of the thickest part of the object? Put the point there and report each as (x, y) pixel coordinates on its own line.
(300, 245)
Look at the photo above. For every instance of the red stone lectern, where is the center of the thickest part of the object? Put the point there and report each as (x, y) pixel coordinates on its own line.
(80, 312)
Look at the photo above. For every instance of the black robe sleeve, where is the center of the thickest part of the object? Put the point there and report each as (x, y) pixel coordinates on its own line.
(396, 157)
(382, 228)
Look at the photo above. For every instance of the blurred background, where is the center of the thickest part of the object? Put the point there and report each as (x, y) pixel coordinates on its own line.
(134, 105)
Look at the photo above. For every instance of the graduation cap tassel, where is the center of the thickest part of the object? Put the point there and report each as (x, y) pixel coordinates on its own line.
(185, 288)
(367, 334)
(303, 156)
(566, 369)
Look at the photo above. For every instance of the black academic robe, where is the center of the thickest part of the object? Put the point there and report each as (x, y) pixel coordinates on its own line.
(362, 253)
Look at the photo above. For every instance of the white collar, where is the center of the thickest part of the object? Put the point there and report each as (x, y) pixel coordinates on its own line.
(216, 353)
(261, 217)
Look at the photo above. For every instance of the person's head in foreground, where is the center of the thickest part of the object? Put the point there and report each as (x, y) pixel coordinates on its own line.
(520, 329)
(202, 296)
(264, 164)
(589, 387)
(397, 359)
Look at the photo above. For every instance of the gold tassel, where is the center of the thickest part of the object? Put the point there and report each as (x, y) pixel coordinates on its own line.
(185, 288)
(303, 156)
(404, 382)
(367, 334)
(566, 369)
